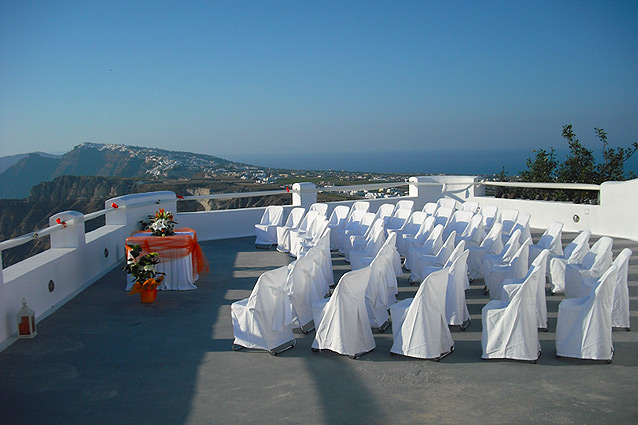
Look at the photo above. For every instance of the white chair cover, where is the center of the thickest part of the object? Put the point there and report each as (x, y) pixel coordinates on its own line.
(303, 289)
(447, 203)
(509, 327)
(418, 239)
(384, 212)
(503, 257)
(337, 219)
(470, 206)
(474, 233)
(443, 215)
(368, 247)
(584, 324)
(356, 229)
(420, 262)
(411, 226)
(551, 240)
(594, 264)
(492, 244)
(431, 245)
(489, 213)
(620, 310)
(342, 322)
(296, 236)
(456, 311)
(522, 223)
(430, 208)
(539, 283)
(319, 207)
(264, 320)
(398, 219)
(419, 326)
(350, 225)
(378, 298)
(508, 218)
(516, 268)
(266, 229)
(458, 223)
(573, 254)
(283, 232)
(405, 204)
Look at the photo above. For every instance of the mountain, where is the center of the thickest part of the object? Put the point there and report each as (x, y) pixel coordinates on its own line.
(109, 160)
(8, 161)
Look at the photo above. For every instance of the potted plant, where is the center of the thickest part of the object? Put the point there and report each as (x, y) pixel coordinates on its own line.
(142, 269)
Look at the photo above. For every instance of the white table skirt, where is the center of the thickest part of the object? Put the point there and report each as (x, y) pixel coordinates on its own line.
(179, 275)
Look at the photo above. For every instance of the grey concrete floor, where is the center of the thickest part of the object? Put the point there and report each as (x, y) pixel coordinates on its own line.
(105, 358)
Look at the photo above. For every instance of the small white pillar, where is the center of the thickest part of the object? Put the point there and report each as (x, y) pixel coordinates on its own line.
(129, 210)
(73, 234)
(304, 195)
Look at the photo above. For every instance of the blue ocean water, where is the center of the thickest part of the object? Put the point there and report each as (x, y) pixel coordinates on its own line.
(468, 162)
(414, 162)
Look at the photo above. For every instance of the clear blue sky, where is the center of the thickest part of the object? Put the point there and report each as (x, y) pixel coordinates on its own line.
(227, 78)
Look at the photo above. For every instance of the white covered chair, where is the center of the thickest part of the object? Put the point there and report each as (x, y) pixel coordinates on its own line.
(405, 204)
(266, 229)
(584, 324)
(509, 327)
(283, 232)
(320, 207)
(515, 268)
(594, 264)
(458, 223)
(620, 309)
(342, 321)
(411, 226)
(447, 202)
(492, 244)
(304, 287)
(264, 320)
(490, 215)
(398, 219)
(539, 263)
(456, 311)
(368, 246)
(573, 254)
(419, 263)
(470, 206)
(337, 219)
(419, 326)
(432, 244)
(522, 223)
(378, 295)
(474, 233)
(350, 225)
(359, 230)
(304, 230)
(311, 238)
(384, 212)
(417, 239)
(443, 215)
(430, 208)
(550, 240)
(508, 217)
(503, 257)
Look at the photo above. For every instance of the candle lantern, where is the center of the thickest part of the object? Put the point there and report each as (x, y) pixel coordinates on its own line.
(26, 321)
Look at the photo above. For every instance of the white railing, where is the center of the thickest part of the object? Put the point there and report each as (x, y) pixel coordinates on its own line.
(529, 185)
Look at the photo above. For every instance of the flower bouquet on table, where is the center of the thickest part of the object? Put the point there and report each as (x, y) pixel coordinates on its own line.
(161, 224)
(142, 270)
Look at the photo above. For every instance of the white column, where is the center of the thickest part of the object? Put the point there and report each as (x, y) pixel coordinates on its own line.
(304, 195)
(72, 235)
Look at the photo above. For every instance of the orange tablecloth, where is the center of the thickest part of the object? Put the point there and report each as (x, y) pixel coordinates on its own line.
(182, 244)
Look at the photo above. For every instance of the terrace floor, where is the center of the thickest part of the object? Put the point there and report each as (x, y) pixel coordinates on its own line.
(105, 358)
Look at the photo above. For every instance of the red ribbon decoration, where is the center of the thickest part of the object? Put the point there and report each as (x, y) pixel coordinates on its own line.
(288, 189)
(180, 197)
(114, 205)
(63, 223)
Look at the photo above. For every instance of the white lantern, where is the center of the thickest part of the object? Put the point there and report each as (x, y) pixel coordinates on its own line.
(26, 321)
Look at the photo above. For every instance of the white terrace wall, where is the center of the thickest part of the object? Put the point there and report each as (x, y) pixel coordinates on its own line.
(615, 216)
(75, 259)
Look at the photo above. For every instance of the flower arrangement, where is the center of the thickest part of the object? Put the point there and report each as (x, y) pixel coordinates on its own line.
(142, 269)
(161, 224)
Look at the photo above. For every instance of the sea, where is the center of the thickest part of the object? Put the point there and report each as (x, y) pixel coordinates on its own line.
(466, 162)
(472, 162)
